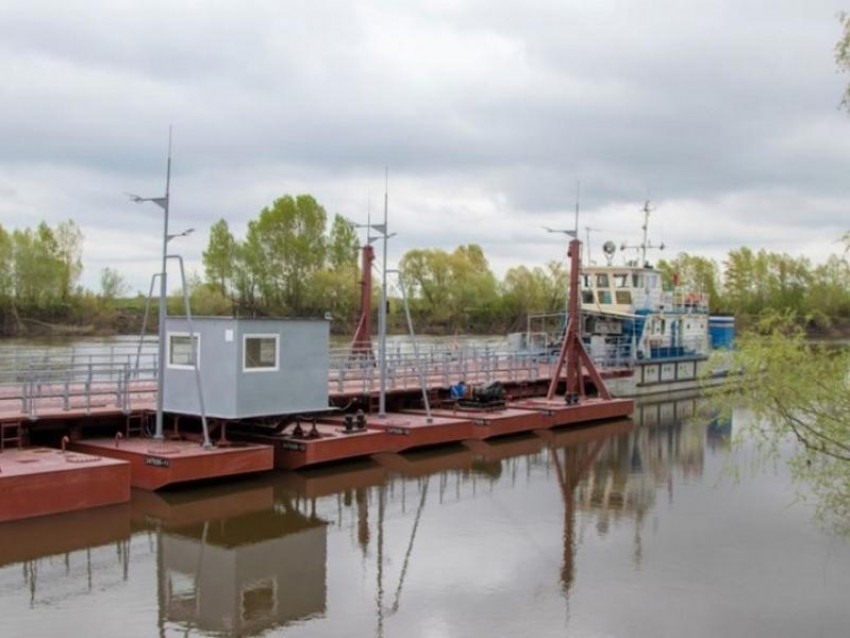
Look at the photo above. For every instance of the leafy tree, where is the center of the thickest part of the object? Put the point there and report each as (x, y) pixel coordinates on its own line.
(112, 284)
(6, 261)
(527, 291)
(343, 245)
(68, 253)
(842, 53)
(457, 291)
(799, 389)
(285, 247)
(219, 257)
(694, 273)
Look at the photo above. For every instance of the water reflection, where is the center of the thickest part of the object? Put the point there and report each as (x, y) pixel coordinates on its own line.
(448, 541)
(226, 563)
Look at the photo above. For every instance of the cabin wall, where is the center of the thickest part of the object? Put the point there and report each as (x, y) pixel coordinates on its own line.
(301, 382)
(217, 368)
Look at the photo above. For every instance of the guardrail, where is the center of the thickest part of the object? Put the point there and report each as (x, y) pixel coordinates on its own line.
(82, 380)
(81, 387)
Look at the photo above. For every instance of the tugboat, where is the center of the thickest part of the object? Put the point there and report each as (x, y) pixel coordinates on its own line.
(645, 339)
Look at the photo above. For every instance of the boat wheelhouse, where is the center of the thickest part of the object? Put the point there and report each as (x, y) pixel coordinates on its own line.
(648, 335)
(627, 314)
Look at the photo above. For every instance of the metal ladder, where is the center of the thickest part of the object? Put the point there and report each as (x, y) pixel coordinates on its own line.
(135, 424)
(16, 436)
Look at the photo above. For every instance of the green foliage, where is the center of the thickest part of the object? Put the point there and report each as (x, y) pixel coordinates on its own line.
(691, 272)
(842, 53)
(342, 245)
(453, 291)
(112, 284)
(41, 267)
(796, 389)
(532, 291)
(288, 264)
(220, 256)
(286, 246)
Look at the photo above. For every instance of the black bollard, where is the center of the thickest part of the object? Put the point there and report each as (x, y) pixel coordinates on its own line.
(314, 431)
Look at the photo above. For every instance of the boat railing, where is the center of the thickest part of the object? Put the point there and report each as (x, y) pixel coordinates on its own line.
(686, 301)
(623, 352)
(440, 368)
(59, 387)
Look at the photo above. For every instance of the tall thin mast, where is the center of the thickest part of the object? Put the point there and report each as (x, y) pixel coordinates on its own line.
(382, 324)
(163, 296)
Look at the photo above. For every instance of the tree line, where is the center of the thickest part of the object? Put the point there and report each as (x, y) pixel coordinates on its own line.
(296, 260)
(291, 262)
(751, 284)
(40, 270)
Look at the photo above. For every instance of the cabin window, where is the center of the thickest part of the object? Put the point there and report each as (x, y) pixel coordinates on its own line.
(621, 281)
(587, 296)
(602, 281)
(663, 326)
(654, 281)
(180, 350)
(585, 278)
(604, 296)
(259, 600)
(260, 353)
(637, 281)
(624, 297)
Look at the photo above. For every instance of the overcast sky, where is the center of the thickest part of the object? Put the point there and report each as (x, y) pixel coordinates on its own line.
(725, 114)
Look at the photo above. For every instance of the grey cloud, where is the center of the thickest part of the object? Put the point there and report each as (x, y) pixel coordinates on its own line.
(726, 113)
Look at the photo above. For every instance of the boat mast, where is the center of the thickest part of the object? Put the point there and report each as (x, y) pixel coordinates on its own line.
(645, 228)
(645, 244)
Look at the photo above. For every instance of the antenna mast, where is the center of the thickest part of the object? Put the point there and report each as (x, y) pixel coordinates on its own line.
(645, 244)
(578, 197)
(645, 227)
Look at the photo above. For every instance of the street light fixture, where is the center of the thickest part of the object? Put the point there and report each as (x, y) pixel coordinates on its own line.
(185, 233)
(384, 236)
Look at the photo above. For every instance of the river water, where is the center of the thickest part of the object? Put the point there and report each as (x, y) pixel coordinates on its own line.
(624, 529)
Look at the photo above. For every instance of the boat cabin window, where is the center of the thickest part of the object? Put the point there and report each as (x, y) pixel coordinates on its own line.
(637, 281)
(624, 297)
(180, 350)
(585, 280)
(259, 353)
(621, 281)
(653, 281)
(587, 296)
(602, 281)
(604, 296)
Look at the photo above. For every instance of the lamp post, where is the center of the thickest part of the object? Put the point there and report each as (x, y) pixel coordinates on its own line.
(572, 234)
(163, 203)
(382, 315)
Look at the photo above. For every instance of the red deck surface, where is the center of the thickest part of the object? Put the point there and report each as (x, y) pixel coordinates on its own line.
(489, 423)
(40, 481)
(291, 453)
(155, 464)
(410, 430)
(559, 413)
